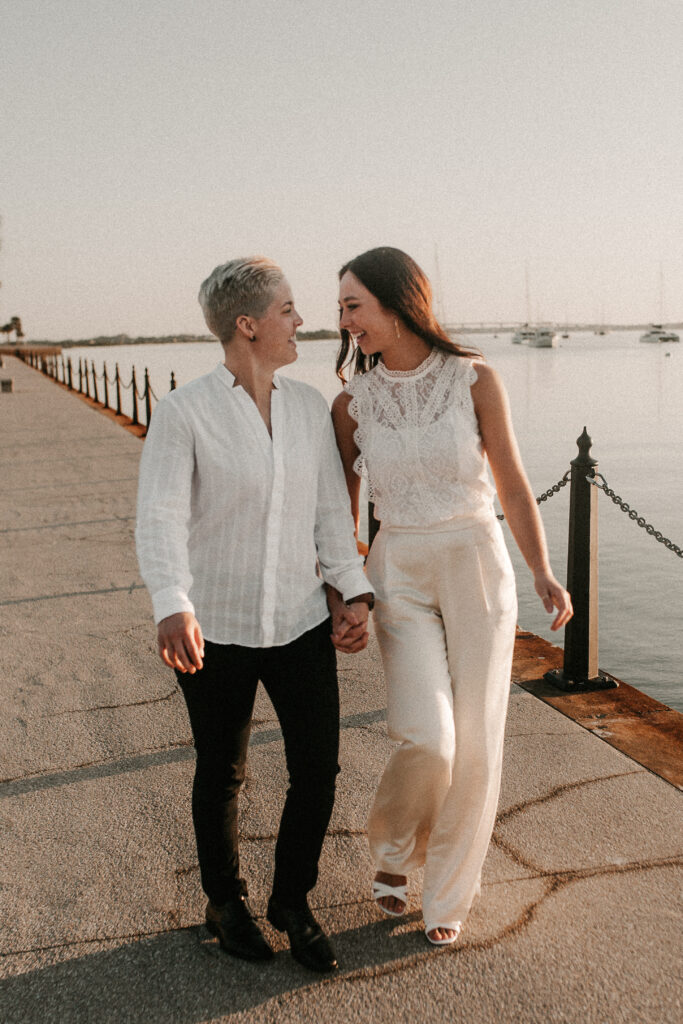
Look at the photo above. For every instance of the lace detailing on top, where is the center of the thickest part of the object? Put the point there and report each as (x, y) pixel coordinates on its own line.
(419, 441)
(417, 372)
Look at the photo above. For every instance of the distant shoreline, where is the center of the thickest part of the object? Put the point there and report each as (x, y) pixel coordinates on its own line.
(175, 339)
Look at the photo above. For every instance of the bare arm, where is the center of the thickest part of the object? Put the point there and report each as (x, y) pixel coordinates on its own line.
(349, 624)
(514, 491)
(344, 427)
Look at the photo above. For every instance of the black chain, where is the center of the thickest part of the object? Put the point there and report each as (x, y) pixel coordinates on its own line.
(632, 514)
(555, 489)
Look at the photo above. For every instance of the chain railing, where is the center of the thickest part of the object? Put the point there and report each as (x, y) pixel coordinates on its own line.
(633, 515)
(555, 489)
(84, 381)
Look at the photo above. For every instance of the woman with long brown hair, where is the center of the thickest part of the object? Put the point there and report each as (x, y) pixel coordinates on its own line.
(421, 417)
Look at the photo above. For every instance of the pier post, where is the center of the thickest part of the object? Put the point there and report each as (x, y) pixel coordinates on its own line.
(117, 378)
(373, 524)
(105, 384)
(148, 399)
(134, 390)
(69, 369)
(580, 670)
(80, 376)
(94, 381)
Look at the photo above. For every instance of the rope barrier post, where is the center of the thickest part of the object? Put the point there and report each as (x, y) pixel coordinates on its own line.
(173, 383)
(105, 385)
(148, 400)
(117, 380)
(580, 671)
(70, 373)
(373, 524)
(94, 381)
(134, 390)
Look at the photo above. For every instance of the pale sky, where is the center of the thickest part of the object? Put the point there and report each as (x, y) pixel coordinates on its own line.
(144, 142)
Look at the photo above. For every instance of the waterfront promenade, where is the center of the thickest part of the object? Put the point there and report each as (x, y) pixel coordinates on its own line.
(100, 905)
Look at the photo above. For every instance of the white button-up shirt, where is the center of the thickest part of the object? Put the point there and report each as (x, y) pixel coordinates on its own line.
(237, 527)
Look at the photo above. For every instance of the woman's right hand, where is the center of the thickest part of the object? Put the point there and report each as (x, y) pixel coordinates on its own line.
(180, 642)
(553, 595)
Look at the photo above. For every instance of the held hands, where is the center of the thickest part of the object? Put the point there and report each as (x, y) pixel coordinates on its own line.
(180, 641)
(553, 595)
(349, 623)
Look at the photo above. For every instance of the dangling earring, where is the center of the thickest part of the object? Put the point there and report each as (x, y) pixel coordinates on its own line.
(397, 329)
(253, 338)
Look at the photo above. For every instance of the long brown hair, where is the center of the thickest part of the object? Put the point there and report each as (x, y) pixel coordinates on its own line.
(399, 284)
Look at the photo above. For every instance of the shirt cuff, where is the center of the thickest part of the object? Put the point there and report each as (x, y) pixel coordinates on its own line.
(351, 584)
(170, 601)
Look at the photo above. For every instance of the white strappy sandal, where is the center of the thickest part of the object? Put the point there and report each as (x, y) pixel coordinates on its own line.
(456, 928)
(399, 892)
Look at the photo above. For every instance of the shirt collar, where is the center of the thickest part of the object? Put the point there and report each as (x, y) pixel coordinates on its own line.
(228, 378)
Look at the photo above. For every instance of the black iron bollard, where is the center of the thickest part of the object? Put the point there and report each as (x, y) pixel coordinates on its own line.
(148, 399)
(117, 379)
(580, 670)
(173, 384)
(373, 524)
(70, 373)
(134, 390)
(94, 381)
(105, 384)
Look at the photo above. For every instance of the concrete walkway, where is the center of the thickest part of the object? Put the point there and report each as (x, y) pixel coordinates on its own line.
(100, 901)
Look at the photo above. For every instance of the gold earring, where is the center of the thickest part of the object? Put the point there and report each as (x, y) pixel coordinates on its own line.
(397, 329)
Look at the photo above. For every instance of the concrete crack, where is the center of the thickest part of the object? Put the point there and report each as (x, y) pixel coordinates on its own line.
(113, 707)
(558, 791)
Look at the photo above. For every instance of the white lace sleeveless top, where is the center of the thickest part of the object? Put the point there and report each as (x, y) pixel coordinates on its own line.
(419, 441)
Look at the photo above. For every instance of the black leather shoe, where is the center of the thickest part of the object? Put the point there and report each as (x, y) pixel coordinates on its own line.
(310, 946)
(237, 930)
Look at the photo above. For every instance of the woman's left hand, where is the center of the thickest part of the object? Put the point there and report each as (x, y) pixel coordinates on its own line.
(553, 595)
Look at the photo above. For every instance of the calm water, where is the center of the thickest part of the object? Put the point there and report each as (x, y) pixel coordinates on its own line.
(629, 395)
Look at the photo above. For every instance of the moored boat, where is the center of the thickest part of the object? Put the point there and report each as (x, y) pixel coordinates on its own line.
(523, 334)
(543, 337)
(658, 334)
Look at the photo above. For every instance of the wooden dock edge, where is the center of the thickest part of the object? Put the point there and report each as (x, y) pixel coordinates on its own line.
(639, 726)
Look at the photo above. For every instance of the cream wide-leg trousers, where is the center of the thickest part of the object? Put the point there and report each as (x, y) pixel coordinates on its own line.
(445, 616)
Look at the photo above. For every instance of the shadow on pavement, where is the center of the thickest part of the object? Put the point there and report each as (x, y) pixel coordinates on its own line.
(184, 976)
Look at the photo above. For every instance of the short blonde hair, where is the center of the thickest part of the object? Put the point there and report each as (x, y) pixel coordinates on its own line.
(241, 287)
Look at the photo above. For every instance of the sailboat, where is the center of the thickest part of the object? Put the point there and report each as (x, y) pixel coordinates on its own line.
(534, 337)
(657, 333)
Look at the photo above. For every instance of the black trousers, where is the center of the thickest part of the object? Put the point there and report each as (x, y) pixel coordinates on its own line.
(301, 681)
